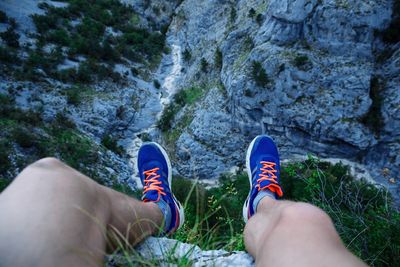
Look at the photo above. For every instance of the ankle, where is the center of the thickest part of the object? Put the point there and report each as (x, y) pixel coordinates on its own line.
(266, 203)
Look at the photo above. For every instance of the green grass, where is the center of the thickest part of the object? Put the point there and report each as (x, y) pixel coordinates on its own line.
(259, 74)
(58, 138)
(362, 213)
(185, 97)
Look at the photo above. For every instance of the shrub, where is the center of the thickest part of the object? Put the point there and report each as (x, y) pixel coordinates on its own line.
(110, 143)
(187, 56)
(165, 122)
(76, 150)
(156, 84)
(258, 74)
(62, 121)
(203, 65)
(5, 152)
(59, 36)
(10, 37)
(6, 55)
(3, 17)
(301, 60)
(218, 59)
(44, 23)
(183, 97)
(4, 182)
(361, 213)
(73, 95)
(134, 71)
(252, 13)
(248, 43)
(23, 137)
(259, 19)
(233, 14)
(188, 96)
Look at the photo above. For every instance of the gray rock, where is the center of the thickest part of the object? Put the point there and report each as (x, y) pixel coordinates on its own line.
(168, 252)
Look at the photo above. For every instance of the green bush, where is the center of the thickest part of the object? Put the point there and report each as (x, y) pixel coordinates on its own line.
(73, 148)
(301, 60)
(59, 36)
(110, 143)
(184, 97)
(10, 37)
(73, 95)
(5, 152)
(259, 19)
(252, 13)
(7, 55)
(218, 59)
(187, 56)
(4, 183)
(203, 65)
(3, 17)
(167, 117)
(361, 212)
(156, 84)
(233, 14)
(258, 74)
(23, 137)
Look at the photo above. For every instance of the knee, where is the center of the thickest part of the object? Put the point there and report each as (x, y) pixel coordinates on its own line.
(304, 212)
(48, 163)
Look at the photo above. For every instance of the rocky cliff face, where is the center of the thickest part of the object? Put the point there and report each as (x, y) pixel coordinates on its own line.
(320, 60)
(306, 72)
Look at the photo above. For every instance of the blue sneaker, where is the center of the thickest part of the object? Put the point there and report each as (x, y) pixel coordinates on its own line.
(263, 169)
(155, 173)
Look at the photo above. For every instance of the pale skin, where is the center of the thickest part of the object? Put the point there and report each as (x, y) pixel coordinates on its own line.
(52, 215)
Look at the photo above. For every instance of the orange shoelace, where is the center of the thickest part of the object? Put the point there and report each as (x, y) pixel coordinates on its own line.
(268, 174)
(152, 183)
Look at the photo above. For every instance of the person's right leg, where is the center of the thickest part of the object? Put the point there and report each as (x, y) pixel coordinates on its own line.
(284, 233)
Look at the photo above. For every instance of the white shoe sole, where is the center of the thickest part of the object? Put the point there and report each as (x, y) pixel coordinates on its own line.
(246, 204)
(177, 203)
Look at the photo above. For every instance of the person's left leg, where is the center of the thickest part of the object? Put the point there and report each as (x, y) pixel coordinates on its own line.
(52, 215)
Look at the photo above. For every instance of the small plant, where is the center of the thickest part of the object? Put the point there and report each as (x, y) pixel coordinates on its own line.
(156, 84)
(259, 19)
(3, 17)
(301, 60)
(6, 55)
(187, 56)
(111, 143)
(203, 65)
(248, 43)
(218, 59)
(73, 95)
(252, 13)
(23, 137)
(10, 37)
(233, 14)
(258, 74)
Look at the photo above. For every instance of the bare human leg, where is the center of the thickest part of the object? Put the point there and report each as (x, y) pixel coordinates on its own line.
(284, 233)
(52, 215)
